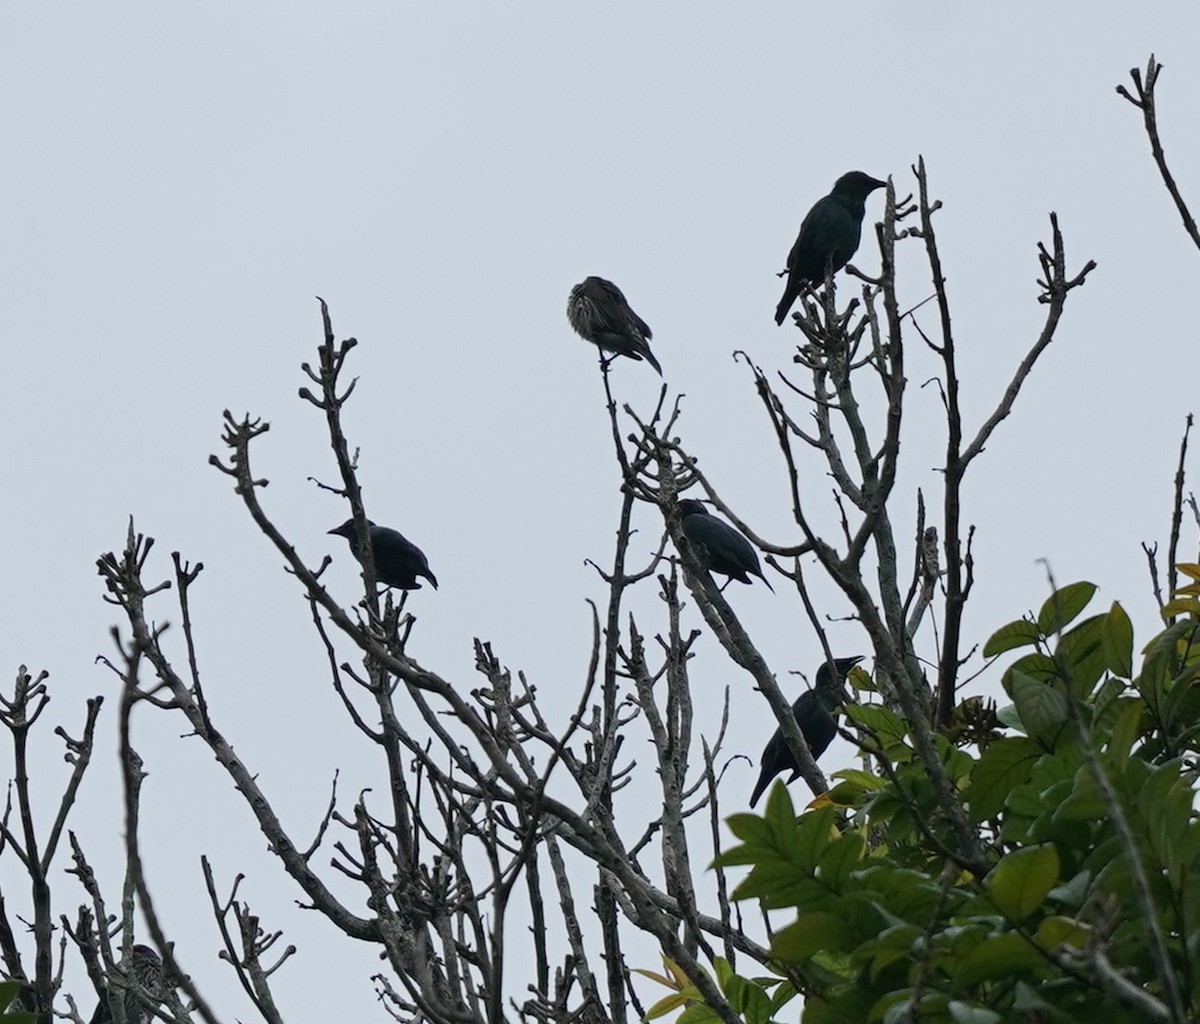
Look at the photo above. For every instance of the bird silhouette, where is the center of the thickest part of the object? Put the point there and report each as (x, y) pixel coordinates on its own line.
(815, 713)
(718, 545)
(146, 988)
(599, 313)
(398, 561)
(829, 236)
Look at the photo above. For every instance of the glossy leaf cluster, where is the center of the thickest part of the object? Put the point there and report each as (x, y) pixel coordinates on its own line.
(1090, 904)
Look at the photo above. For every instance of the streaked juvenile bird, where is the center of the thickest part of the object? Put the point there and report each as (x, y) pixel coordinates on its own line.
(398, 561)
(815, 712)
(599, 313)
(829, 236)
(147, 988)
(718, 545)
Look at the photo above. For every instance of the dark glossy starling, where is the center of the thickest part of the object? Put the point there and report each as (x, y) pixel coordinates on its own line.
(599, 313)
(815, 712)
(145, 989)
(398, 561)
(718, 545)
(828, 236)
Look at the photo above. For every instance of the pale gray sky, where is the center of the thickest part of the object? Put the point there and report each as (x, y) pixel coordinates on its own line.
(179, 181)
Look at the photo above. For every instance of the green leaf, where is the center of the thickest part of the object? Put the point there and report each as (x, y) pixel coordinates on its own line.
(1085, 802)
(930, 1006)
(886, 724)
(1007, 716)
(780, 814)
(1179, 705)
(1055, 931)
(1027, 1000)
(1180, 606)
(666, 1005)
(1063, 607)
(1020, 882)
(682, 981)
(1036, 664)
(1004, 764)
(843, 856)
(1104, 713)
(852, 1003)
(1125, 733)
(778, 885)
(1082, 651)
(854, 787)
(698, 1013)
(903, 895)
(9, 991)
(1168, 643)
(1043, 709)
(655, 977)
(749, 999)
(784, 993)
(1020, 633)
(723, 970)
(995, 959)
(810, 934)
(868, 781)
(892, 944)
(965, 1013)
(1165, 802)
(1118, 642)
(813, 833)
(749, 828)
(1074, 891)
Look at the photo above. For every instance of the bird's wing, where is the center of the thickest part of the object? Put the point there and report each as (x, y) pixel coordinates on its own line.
(806, 259)
(615, 313)
(734, 548)
(826, 231)
(833, 235)
(639, 324)
(815, 722)
(726, 550)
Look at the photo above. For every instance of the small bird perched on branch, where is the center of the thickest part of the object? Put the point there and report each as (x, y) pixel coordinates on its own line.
(718, 545)
(148, 989)
(398, 561)
(829, 236)
(599, 313)
(815, 713)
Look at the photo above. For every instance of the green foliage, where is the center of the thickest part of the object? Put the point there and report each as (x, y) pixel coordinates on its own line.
(9, 990)
(889, 924)
(757, 1000)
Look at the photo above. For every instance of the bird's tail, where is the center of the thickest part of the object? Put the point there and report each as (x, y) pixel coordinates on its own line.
(651, 360)
(785, 304)
(760, 786)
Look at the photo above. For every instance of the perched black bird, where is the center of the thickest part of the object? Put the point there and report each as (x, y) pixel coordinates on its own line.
(718, 545)
(828, 236)
(398, 561)
(599, 313)
(814, 712)
(146, 988)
